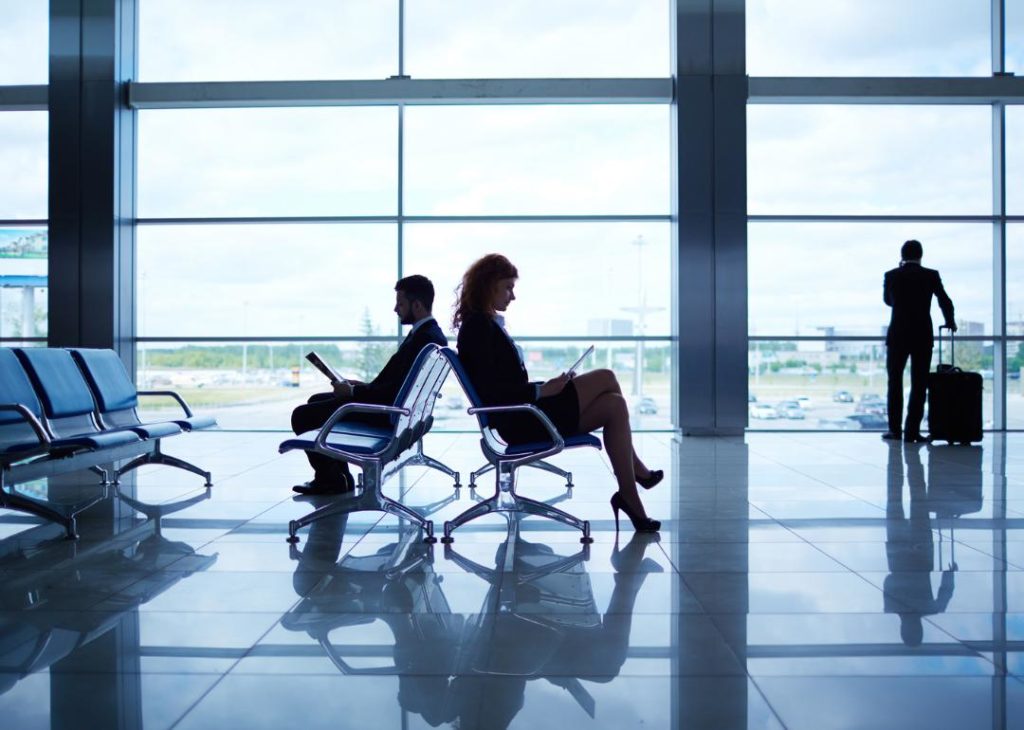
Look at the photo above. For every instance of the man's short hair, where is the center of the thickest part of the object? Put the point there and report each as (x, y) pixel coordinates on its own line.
(417, 288)
(911, 251)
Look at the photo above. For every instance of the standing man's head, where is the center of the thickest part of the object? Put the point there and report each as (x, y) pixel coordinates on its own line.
(487, 287)
(414, 298)
(912, 251)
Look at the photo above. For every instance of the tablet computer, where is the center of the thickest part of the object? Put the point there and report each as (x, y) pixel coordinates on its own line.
(586, 353)
(319, 363)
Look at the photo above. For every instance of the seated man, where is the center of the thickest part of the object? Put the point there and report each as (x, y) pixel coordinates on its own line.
(414, 297)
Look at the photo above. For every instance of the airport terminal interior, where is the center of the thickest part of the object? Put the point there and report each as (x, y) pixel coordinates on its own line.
(706, 192)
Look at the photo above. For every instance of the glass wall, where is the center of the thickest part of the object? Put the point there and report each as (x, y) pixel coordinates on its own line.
(835, 188)
(24, 58)
(268, 232)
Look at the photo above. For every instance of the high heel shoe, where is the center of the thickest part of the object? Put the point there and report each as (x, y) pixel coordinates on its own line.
(640, 524)
(653, 477)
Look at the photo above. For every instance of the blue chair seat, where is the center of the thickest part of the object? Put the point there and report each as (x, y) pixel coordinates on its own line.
(196, 423)
(581, 439)
(157, 430)
(361, 429)
(353, 443)
(19, 448)
(102, 440)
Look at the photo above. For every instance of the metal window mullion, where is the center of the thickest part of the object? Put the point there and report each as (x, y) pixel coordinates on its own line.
(998, 15)
(401, 197)
(401, 38)
(246, 220)
(999, 354)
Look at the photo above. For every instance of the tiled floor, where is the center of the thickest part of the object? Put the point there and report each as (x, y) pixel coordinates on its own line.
(801, 580)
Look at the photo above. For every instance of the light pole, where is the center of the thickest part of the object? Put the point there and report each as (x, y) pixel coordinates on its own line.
(641, 310)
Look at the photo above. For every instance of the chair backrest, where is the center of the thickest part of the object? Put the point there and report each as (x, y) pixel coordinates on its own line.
(466, 383)
(418, 393)
(60, 385)
(15, 387)
(108, 379)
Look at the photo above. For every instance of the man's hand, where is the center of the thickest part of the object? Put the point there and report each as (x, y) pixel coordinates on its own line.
(554, 386)
(342, 389)
(952, 326)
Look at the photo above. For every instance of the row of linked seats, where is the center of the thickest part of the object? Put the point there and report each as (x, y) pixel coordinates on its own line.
(65, 410)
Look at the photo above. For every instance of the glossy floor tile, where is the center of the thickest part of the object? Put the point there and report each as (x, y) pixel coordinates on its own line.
(799, 580)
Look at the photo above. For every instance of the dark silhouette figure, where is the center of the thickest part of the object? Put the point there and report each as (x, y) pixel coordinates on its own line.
(909, 549)
(414, 298)
(574, 403)
(908, 289)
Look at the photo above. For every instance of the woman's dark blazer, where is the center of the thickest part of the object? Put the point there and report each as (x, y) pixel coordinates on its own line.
(492, 363)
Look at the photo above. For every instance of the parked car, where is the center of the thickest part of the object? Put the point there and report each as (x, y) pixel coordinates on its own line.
(871, 403)
(646, 406)
(804, 401)
(842, 396)
(763, 411)
(790, 409)
(872, 421)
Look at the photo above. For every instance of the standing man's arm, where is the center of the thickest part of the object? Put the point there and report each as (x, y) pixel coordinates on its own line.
(887, 290)
(945, 303)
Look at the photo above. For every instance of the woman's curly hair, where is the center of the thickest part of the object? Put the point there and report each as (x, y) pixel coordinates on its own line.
(476, 292)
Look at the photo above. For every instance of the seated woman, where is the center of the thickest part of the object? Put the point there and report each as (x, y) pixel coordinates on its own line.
(575, 404)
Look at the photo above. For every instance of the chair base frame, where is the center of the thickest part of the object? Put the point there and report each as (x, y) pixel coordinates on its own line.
(157, 456)
(505, 499)
(367, 498)
(541, 464)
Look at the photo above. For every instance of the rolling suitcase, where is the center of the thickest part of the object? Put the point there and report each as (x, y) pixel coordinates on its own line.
(954, 401)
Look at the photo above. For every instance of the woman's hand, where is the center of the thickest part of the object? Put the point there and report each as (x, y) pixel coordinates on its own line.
(554, 386)
(342, 389)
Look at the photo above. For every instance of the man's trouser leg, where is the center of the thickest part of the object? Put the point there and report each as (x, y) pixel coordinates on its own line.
(920, 364)
(895, 361)
(310, 417)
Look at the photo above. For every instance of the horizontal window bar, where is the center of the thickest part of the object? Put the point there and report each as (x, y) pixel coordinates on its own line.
(856, 338)
(394, 91)
(22, 339)
(842, 90)
(24, 98)
(20, 222)
(406, 219)
(389, 338)
(842, 218)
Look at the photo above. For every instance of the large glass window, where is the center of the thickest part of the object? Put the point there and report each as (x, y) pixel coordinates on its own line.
(24, 42)
(23, 248)
(243, 40)
(501, 160)
(825, 279)
(867, 38)
(537, 38)
(879, 160)
(268, 162)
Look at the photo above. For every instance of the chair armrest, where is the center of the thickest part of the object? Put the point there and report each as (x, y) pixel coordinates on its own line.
(325, 430)
(30, 418)
(558, 443)
(170, 394)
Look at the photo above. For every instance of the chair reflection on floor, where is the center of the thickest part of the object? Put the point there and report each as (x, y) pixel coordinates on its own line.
(396, 585)
(44, 588)
(546, 625)
(953, 488)
(538, 621)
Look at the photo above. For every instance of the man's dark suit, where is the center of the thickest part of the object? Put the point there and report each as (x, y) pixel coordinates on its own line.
(909, 290)
(382, 390)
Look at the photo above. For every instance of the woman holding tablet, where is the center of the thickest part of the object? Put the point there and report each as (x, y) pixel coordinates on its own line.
(574, 403)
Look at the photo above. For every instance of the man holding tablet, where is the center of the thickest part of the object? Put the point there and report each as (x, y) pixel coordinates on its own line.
(414, 298)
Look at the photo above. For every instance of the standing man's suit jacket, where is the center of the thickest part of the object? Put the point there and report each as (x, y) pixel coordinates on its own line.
(383, 389)
(909, 290)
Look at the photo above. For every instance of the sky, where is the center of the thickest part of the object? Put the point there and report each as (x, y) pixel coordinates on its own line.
(281, 280)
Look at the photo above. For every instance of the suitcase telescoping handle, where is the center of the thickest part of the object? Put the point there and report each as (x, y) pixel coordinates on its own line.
(952, 347)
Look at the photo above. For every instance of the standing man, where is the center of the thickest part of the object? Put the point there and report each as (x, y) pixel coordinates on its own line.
(909, 290)
(414, 298)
